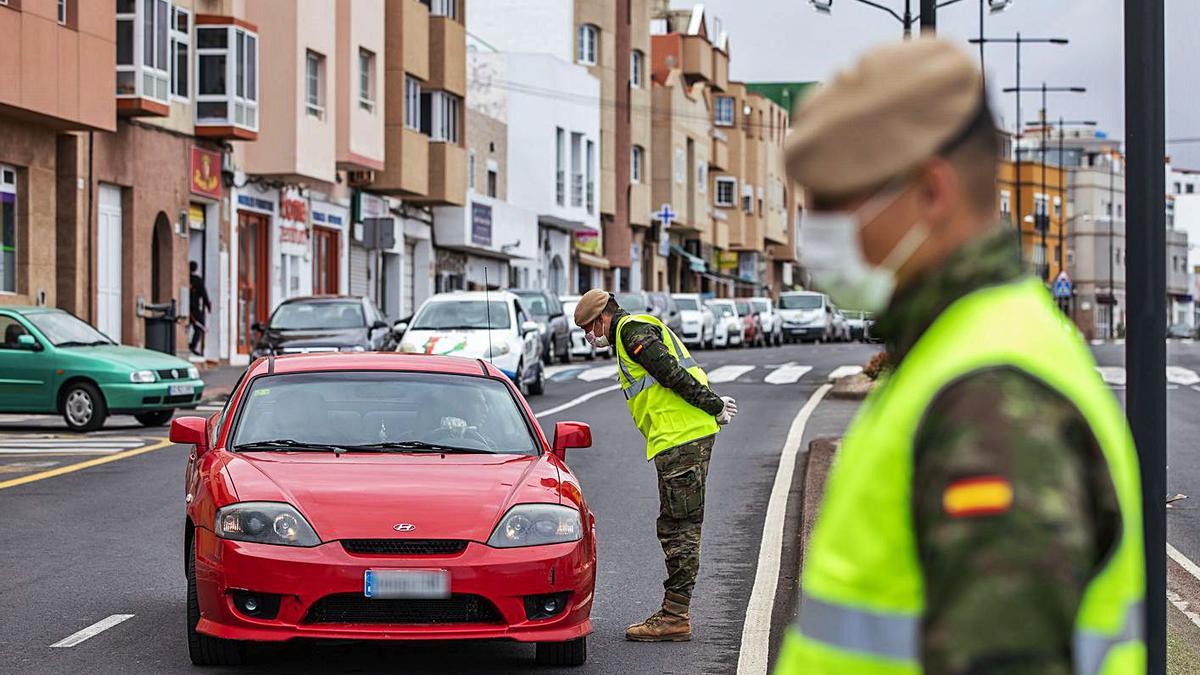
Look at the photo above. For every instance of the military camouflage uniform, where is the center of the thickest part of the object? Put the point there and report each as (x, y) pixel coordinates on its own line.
(1001, 590)
(683, 469)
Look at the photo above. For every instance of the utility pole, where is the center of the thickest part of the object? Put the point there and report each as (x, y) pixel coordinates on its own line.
(1145, 292)
(929, 17)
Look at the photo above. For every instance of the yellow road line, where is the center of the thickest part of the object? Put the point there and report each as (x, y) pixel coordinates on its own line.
(70, 468)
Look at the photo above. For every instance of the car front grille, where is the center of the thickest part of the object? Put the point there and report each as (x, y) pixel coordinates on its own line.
(356, 608)
(173, 374)
(404, 546)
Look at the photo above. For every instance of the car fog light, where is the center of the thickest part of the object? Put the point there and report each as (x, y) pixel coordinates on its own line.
(251, 604)
(257, 605)
(545, 606)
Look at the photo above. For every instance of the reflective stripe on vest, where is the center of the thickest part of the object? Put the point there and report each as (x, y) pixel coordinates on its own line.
(897, 636)
(638, 385)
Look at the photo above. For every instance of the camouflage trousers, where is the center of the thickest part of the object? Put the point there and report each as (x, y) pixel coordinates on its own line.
(682, 476)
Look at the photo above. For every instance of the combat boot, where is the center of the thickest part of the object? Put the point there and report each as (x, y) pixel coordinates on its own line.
(669, 624)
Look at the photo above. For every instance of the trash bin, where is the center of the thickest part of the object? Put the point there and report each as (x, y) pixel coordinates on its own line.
(160, 326)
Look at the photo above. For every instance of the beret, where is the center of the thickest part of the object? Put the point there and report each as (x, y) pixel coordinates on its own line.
(590, 306)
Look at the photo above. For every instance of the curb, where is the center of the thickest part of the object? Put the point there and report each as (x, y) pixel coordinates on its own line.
(818, 459)
(851, 388)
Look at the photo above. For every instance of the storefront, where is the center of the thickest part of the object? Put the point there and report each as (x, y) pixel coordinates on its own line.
(329, 246)
(251, 251)
(204, 249)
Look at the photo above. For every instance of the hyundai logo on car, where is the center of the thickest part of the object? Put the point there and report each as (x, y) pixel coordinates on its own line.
(404, 527)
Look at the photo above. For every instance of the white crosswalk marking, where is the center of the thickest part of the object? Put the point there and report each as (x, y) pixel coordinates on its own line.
(728, 373)
(787, 374)
(1112, 375)
(21, 444)
(598, 373)
(1182, 376)
(844, 371)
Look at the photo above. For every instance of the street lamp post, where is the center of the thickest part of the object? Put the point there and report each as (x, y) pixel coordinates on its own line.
(927, 17)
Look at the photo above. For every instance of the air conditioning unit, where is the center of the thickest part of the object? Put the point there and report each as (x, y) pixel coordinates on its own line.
(360, 178)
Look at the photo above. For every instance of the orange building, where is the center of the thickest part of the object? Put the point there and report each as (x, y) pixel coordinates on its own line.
(1038, 203)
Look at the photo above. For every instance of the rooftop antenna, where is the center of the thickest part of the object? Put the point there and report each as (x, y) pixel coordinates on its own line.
(487, 308)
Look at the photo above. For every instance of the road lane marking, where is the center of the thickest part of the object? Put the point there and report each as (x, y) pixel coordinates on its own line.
(1188, 566)
(728, 373)
(756, 631)
(1182, 376)
(82, 465)
(569, 404)
(787, 374)
(844, 371)
(92, 630)
(1182, 606)
(599, 373)
(1112, 375)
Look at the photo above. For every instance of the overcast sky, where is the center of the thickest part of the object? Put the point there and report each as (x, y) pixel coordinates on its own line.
(786, 40)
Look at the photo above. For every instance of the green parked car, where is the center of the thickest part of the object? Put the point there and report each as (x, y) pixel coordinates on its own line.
(52, 362)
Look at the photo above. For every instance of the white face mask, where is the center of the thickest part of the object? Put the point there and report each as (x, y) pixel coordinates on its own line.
(597, 342)
(831, 251)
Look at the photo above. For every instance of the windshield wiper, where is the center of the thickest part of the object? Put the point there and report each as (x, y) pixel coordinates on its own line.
(290, 444)
(420, 446)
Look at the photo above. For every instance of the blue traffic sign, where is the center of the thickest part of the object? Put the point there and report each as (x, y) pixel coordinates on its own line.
(1062, 286)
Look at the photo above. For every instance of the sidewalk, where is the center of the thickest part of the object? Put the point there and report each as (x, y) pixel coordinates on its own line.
(219, 381)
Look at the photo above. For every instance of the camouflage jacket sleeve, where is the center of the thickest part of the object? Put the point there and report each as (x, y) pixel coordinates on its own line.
(644, 344)
(1004, 577)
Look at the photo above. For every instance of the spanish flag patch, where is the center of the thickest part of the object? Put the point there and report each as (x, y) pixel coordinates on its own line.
(978, 496)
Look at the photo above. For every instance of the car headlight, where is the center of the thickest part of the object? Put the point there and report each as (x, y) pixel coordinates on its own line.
(142, 376)
(409, 348)
(193, 373)
(537, 524)
(265, 523)
(499, 348)
(355, 348)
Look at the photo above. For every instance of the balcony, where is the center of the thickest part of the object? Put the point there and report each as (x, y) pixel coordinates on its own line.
(719, 158)
(697, 58)
(1041, 222)
(447, 61)
(639, 204)
(227, 78)
(413, 32)
(447, 175)
(720, 70)
(406, 167)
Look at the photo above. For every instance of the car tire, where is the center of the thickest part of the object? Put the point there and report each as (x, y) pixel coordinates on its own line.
(539, 385)
(566, 352)
(206, 650)
(154, 418)
(569, 653)
(521, 385)
(83, 407)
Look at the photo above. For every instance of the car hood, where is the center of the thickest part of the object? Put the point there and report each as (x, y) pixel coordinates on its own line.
(472, 344)
(321, 337)
(691, 315)
(135, 358)
(360, 496)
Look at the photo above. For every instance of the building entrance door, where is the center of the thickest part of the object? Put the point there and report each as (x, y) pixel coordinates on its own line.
(253, 285)
(108, 262)
(325, 264)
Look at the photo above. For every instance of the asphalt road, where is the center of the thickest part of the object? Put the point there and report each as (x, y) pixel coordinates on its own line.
(106, 540)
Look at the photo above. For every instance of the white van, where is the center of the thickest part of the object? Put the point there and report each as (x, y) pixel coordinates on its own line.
(807, 315)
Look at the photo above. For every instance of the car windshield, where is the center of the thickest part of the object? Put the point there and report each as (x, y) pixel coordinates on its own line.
(534, 303)
(462, 315)
(687, 304)
(569, 310)
(743, 308)
(800, 302)
(722, 309)
(380, 412)
(631, 302)
(761, 305)
(316, 315)
(67, 330)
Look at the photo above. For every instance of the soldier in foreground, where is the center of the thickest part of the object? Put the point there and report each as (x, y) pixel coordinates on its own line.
(667, 394)
(983, 514)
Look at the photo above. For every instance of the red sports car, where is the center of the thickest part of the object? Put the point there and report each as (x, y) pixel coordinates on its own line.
(383, 496)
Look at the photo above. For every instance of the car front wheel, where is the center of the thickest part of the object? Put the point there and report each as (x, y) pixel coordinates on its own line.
(539, 385)
(83, 407)
(206, 650)
(569, 653)
(154, 418)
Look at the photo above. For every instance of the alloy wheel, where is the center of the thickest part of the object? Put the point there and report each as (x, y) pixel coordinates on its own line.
(79, 407)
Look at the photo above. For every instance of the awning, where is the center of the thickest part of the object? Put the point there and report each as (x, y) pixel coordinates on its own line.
(695, 263)
(593, 260)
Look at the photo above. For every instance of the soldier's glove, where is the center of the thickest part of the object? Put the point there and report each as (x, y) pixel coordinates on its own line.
(727, 413)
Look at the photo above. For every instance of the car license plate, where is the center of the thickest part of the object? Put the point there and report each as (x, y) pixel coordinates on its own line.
(181, 389)
(406, 584)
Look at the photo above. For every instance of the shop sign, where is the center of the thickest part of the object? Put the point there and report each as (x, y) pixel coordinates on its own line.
(748, 265)
(481, 224)
(587, 241)
(727, 260)
(327, 218)
(206, 173)
(293, 223)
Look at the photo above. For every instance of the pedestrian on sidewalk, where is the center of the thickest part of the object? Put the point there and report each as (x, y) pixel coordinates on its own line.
(983, 514)
(668, 395)
(199, 307)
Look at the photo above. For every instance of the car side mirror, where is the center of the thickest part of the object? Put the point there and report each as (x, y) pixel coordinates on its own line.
(258, 327)
(378, 324)
(571, 435)
(190, 431)
(528, 327)
(28, 342)
(399, 327)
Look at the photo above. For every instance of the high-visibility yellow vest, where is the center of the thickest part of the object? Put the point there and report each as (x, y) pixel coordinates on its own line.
(663, 417)
(862, 593)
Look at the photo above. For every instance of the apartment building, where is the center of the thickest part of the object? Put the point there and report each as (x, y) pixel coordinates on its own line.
(1036, 203)
(1183, 214)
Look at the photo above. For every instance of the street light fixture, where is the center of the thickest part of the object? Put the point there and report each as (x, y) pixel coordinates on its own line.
(907, 19)
(927, 17)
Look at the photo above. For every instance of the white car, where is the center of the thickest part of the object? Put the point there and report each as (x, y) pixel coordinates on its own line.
(727, 330)
(490, 326)
(772, 322)
(697, 320)
(806, 316)
(579, 345)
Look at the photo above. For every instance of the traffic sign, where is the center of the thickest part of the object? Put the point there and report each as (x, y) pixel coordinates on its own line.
(1062, 286)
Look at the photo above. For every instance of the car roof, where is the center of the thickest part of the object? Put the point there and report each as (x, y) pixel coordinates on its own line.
(721, 300)
(31, 309)
(372, 361)
(472, 295)
(801, 293)
(324, 298)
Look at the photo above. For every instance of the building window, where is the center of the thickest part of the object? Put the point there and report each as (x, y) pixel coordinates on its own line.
(366, 79)
(591, 177)
(181, 20)
(1058, 207)
(1040, 205)
(314, 84)
(748, 199)
(726, 191)
(723, 112)
(143, 72)
(1005, 205)
(589, 44)
(446, 8)
(62, 12)
(8, 229)
(636, 162)
(1178, 188)
(412, 103)
(470, 169)
(1191, 188)
(637, 65)
(680, 168)
(441, 121)
(492, 181)
(702, 177)
(576, 169)
(560, 175)
(226, 76)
